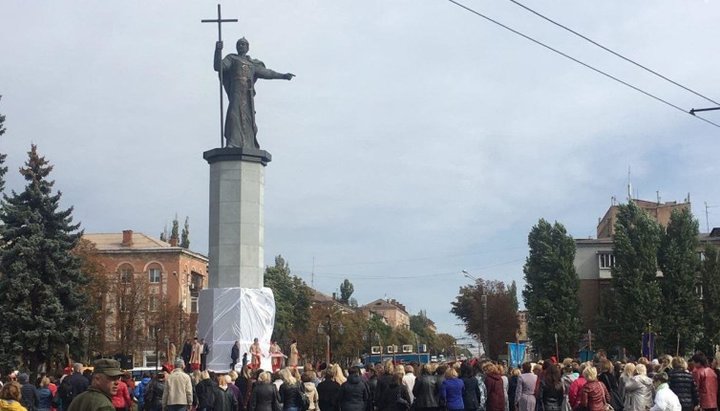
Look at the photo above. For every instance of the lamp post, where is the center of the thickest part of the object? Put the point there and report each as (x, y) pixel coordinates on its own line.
(483, 302)
(327, 330)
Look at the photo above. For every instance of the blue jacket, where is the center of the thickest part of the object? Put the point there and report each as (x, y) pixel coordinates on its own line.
(139, 391)
(452, 391)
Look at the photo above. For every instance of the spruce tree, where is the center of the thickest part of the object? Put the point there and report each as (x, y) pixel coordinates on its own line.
(41, 296)
(551, 288)
(679, 263)
(634, 276)
(710, 273)
(185, 234)
(175, 230)
(3, 168)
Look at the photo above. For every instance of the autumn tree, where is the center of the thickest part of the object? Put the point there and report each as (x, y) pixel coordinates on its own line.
(97, 289)
(292, 301)
(710, 280)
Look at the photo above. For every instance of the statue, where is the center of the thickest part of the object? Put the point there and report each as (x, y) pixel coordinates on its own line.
(239, 73)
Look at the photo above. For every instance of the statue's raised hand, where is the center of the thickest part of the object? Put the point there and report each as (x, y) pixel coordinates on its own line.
(288, 76)
(218, 45)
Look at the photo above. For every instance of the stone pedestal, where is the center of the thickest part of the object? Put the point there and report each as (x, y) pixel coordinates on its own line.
(236, 246)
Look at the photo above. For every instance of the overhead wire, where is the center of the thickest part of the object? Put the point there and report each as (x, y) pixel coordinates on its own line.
(610, 76)
(629, 60)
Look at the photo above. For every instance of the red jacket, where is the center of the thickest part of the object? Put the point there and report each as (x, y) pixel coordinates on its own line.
(495, 393)
(594, 396)
(122, 398)
(574, 391)
(707, 384)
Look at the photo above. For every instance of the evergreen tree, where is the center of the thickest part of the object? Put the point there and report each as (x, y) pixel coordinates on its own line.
(3, 168)
(175, 231)
(710, 273)
(551, 290)
(513, 295)
(41, 289)
(185, 235)
(292, 301)
(634, 276)
(679, 262)
(346, 290)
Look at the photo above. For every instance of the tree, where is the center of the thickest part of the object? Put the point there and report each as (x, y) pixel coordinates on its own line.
(551, 288)
(3, 168)
(42, 298)
(292, 301)
(679, 262)
(710, 280)
(175, 231)
(634, 275)
(97, 289)
(185, 234)
(131, 300)
(346, 290)
(502, 321)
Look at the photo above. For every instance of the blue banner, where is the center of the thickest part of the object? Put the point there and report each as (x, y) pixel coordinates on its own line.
(648, 345)
(516, 352)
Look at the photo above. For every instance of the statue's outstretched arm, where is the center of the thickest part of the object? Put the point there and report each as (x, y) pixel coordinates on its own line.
(266, 73)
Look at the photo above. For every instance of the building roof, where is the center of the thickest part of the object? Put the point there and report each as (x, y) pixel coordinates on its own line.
(113, 243)
(381, 304)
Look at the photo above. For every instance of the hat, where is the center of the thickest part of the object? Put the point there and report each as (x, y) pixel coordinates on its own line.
(23, 378)
(109, 367)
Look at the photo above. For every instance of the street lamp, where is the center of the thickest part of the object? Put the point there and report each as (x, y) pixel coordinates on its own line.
(327, 330)
(483, 301)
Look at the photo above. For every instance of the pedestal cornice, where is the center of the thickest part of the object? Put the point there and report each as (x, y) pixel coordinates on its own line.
(251, 155)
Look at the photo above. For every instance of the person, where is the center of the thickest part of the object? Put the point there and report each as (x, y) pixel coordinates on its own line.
(45, 395)
(264, 395)
(628, 371)
(338, 375)
(310, 390)
(239, 73)
(186, 352)
(77, 382)
(371, 381)
(665, 398)
(28, 393)
(607, 377)
(426, 390)
(178, 393)
(682, 384)
(276, 356)
(141, 389)
(354, 393)
(594, 396)
(495, 389)
(512, 388)
(409, 381)
(255, 353)
(224, 399)
(121, 400)
(10, 397)
(152, 397)
(452, 390)
(205, 392)
(231, 377)
(706, 381)
(551, 389)
(290, 391)
(244, 383)
(576, 387)
(328, 393)
(525, 395)
(203, 354)
(98, 396)
(638, 390)
(234, 354)
(395, 396)
(294, 353)
(195, 354)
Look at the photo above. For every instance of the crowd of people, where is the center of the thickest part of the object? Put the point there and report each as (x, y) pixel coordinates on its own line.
(664, 384)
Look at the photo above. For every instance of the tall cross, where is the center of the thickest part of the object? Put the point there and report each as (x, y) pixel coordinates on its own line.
(219, 22)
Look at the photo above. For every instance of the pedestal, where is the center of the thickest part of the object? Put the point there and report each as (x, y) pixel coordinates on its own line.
(237, 196)
(235, 314)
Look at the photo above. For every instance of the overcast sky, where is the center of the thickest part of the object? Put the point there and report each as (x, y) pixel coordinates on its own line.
(417, 139)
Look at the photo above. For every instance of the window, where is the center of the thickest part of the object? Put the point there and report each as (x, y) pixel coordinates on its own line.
(194, 305)
(154, 275)
(126, 274)
(153, 304)
(606, 260)
(123, 304)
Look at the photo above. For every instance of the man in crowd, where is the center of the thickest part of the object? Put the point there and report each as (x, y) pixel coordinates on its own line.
(98, 397)
(178, 393)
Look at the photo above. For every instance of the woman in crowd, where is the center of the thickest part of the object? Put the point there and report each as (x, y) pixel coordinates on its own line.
(472, 399)
(121, 400)
(628, 372)
(525, 395)
(264, 396)
(395, 397)
(224, 399)
(452, 390)
(290, 391)
(638, 390)
(205, 392)
(512, 388)
(44, 395)
(682, 384)
(426, 390)
(328, 393)
(593, 396)
(308, 383)
(610, 381)
(354, 394)
(338, 375)
(551, 389)
(495, 388)
(10, 397)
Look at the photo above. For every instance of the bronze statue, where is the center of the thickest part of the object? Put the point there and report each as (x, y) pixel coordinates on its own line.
(239, 73)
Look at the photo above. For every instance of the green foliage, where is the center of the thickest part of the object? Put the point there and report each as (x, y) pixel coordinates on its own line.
(292, 301)
(551, 289)
(41, 289)
(3, 168)
(175, 230)
(634, 276)
(679, 262)
(346, 290)
(710, 278)
(502, 321)
(185, 234)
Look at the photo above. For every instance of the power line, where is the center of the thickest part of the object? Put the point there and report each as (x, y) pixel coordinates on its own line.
(613, 52)
(610, 76)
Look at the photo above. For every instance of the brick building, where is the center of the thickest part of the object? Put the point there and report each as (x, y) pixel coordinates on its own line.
(394, 313)
(152, 295)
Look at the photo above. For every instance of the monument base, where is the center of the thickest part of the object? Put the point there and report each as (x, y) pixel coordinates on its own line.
(235, 314)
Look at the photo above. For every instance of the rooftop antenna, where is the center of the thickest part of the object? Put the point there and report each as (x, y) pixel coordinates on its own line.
(658, 196)
(613, 201)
